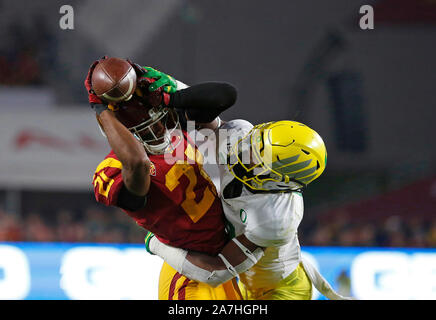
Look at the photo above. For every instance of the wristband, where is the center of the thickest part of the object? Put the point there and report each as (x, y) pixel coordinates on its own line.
(147, 239)
(98, 108)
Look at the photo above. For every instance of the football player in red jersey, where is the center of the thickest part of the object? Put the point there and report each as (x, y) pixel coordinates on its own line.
(164, 190)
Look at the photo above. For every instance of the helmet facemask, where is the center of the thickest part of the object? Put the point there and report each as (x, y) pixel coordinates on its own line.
(257, 173)
(161, 133)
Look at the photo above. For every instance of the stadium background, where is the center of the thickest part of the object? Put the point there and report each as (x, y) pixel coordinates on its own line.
(370, 94)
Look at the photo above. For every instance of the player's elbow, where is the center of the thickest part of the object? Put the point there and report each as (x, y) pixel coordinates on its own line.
(136, 176)
(141, 163)
(217, 277)
(136, 163)
(212, 279)
(227, 95)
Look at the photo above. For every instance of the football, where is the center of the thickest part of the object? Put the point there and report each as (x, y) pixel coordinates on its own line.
(114, 80)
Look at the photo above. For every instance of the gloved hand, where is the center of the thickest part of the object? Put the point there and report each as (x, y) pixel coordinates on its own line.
(92, 97)
(154, 79)
(96, 103)
(168, 83)
(159, 85)
(147, 240)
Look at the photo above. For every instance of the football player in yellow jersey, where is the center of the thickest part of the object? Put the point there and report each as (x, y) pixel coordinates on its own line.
(261, 190)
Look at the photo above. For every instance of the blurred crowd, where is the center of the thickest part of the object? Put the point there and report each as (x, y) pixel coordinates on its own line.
(343, 230)
(93, 225)
(26, 52)
(108, 225)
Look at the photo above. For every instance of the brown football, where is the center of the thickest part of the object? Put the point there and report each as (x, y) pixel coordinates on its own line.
(113, 80)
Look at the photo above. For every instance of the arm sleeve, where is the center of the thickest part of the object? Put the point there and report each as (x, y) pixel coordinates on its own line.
(177, 258)
(204, 102)
(130, 201)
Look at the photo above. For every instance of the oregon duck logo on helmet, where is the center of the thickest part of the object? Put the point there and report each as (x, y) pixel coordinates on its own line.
(284, 155)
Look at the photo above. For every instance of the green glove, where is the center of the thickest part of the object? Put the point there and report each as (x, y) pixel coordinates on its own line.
(147, 239)
(169, 83)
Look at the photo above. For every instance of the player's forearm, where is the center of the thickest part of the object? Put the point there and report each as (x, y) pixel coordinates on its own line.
(206, 262)
(129, 151)
(231, 252)
(177, 258)
(205, 101)
(213, 270)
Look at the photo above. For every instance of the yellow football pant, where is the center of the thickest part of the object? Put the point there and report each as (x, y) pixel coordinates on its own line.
(175, 286)
(296, 286)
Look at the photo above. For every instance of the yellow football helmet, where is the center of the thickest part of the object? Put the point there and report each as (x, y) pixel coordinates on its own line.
(283, 156)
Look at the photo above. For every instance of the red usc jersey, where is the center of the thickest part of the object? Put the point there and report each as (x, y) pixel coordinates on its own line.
(182, 209)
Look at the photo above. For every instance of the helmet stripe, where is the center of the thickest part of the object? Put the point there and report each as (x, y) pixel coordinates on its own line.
(294, 167)
(304, 173)
(308, 179)
(284, 162)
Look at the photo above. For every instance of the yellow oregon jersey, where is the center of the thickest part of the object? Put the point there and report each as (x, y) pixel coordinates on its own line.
(296, 286)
